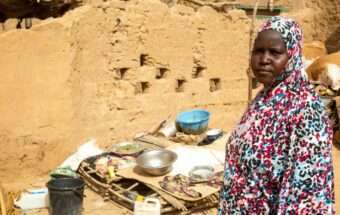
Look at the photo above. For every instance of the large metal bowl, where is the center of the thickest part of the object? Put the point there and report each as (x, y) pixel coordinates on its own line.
(157, 161)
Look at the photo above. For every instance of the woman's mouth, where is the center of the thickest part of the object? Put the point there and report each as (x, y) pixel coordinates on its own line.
(264, 72)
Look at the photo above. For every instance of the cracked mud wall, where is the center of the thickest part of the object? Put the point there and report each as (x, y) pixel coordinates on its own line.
(108, 71)
(35, 100)
(320, 20)
(328, 25)
(145, 65)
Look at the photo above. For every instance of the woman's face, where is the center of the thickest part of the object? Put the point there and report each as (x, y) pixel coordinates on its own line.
(269, 57)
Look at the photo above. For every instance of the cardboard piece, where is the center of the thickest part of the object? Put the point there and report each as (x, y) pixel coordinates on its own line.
(213, 157)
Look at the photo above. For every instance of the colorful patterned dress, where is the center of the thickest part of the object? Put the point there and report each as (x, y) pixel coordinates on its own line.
(278, 159)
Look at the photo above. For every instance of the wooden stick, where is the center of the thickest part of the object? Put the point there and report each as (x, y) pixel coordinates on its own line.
(271, 5)
(251, 40)
(92, 180)
(157, 127)
(132, 186)
(157, 141)
(2, 202)
(176, 203)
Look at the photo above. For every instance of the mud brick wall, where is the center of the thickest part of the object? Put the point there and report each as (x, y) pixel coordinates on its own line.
(324, 19)
(110, 70)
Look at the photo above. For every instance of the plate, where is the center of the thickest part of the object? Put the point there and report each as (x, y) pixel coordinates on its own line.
(201, 173)
(127, 148)
(214, 132)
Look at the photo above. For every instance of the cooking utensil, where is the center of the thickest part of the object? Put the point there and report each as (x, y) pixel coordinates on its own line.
(214, 134)
(201, 173)
(127, 149)
(193, 121)
(157, 161)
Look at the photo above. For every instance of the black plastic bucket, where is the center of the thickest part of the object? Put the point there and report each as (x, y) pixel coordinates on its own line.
(66, 196)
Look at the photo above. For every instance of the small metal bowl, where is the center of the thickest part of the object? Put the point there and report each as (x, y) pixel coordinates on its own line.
(156, 162)
(214, 134)
(201, 173)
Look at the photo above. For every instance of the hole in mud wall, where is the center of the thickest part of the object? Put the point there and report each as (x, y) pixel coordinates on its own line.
(198, 71)
(215, 84)
(143, 59)
(162, 73)
(333, 41)
(121, 72)
(142, 87)
(180, 84)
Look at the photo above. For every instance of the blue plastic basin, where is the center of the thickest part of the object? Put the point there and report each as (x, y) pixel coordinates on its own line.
(193, 121)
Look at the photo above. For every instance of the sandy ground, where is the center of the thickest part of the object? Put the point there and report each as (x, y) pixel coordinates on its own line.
(95, 205)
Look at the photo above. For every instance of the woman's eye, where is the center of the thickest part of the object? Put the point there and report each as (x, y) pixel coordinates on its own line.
(275, 52)
(257, 51)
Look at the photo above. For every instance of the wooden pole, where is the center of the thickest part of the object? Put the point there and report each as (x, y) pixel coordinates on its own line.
(251, 40)
(271, 5)
(2, 201)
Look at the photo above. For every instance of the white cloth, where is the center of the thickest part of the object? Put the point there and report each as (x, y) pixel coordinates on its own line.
(190, 156)
(84, 151)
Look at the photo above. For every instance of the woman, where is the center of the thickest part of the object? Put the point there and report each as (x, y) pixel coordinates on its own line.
(279, 156)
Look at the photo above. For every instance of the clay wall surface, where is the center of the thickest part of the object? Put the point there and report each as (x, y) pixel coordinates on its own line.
(320, 20)
(328, 28)
(109, 71)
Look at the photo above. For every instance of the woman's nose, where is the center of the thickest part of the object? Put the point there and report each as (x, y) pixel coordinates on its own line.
(265, 58)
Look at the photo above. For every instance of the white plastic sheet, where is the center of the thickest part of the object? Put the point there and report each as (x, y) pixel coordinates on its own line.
(188, 157)
(84, 151)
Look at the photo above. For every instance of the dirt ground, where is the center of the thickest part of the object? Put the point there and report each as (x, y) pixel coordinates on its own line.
(95, 205)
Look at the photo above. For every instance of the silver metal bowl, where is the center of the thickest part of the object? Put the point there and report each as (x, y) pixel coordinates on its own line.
(214, 134)
(201, 173)
(157, 161)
